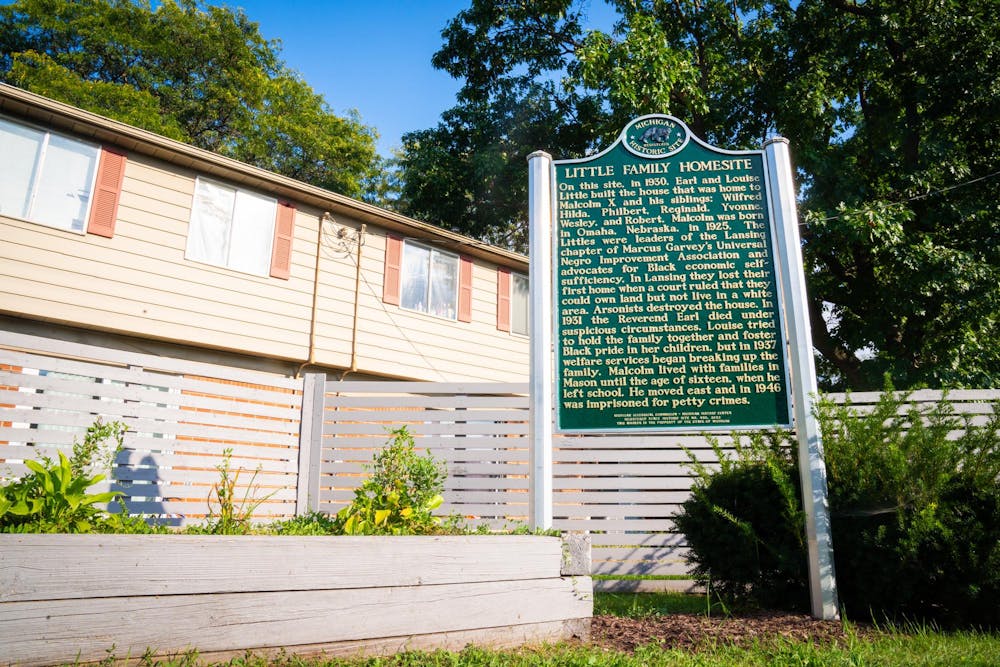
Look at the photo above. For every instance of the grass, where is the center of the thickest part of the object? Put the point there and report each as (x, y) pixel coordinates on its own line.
(914, 646)
(641, 605)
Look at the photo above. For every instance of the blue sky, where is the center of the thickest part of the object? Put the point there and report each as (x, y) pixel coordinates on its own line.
(372, 55)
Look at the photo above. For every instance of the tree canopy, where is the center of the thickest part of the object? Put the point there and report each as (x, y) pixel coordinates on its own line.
(889, 106)
(199, 74)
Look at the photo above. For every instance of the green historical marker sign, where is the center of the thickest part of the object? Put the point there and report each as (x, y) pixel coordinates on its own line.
(666, 301)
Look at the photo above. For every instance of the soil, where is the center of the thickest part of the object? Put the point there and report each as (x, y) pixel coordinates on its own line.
(692, 631)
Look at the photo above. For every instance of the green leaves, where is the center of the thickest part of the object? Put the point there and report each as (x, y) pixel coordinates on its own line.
(399, 496)
(200, 74)
(53, 499)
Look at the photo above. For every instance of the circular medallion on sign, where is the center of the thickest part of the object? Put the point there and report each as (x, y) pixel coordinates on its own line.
(655, 136)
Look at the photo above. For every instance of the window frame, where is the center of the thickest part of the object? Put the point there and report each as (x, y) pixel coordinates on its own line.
(514, 277)
(404, 275)
(39, 167)
(265, 269)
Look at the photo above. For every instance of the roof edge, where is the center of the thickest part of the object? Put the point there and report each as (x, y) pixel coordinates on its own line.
(67, 117)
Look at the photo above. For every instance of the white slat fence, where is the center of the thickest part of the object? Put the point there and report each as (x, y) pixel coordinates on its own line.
(309, 441)
(181, 416)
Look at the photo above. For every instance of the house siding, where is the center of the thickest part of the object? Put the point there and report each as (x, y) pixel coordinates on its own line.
(138, 283)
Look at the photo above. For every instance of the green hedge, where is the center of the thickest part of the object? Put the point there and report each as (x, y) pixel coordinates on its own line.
(915, 511)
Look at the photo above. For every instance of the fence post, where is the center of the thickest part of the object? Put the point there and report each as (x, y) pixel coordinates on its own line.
(310, 442)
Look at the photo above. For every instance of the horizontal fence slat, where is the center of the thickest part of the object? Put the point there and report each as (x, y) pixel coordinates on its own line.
(18, 341)
(492, 402)
(421, 388)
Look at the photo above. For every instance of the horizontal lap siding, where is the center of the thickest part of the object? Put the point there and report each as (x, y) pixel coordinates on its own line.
(397, 342)
(180, 417)
(139, 283)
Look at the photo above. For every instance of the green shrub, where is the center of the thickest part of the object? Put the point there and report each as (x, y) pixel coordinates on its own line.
(742, 524)
(400, 494)
(54, 498)
(915, 512)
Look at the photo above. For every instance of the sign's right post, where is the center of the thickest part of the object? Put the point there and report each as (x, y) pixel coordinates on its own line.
(822, 579)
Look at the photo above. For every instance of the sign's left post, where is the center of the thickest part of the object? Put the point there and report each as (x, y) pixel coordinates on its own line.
(540, 209)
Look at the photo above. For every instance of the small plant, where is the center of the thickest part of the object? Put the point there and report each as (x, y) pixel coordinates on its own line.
(54, 497)
(399, 496)
(232, 515)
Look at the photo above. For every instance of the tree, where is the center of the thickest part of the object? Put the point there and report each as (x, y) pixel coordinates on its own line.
(467, 174)
(203, 75)
(889, 107)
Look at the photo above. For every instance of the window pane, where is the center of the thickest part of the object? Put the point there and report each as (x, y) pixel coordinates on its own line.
(208, 237)
(62, 195)
(252, 233)
(416, 261)
(519, 305)
(20, 154)
(444, 285)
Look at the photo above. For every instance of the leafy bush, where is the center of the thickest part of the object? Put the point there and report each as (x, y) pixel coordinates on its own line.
(400, 494)
(915, 511)
(54, 497)
(743, 523)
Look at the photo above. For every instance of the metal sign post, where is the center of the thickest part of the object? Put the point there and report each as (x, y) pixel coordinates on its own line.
(540, 282)
(812, 470)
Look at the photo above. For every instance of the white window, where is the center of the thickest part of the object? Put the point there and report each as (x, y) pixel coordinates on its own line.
(519, 304)
(231, 228)
(45, 177)
(430, 280)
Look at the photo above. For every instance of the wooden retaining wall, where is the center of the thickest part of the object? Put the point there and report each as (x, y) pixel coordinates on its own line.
(66, 598)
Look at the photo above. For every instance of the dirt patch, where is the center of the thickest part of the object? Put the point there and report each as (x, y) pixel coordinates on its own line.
(692, 631)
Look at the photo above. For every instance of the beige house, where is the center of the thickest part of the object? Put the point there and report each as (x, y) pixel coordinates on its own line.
(119, 237)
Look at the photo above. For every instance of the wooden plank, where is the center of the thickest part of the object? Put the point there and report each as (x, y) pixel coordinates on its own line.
(503, 442)
(647, 568)
(148, 361)
(689, 586)
(357, 467)
(614, 511)
(264, 392)
(332, 428)
(310, 444)
(629, 484)
(433, 415)
(628, 456)
(57, 631)
(642, 525)
(69, 411)
(195, 508)
(333, 403)
(31, 565)
(622, 470)
(652, 540)
(422, 388)
(158, 389)
(674, 554)
(504, 637)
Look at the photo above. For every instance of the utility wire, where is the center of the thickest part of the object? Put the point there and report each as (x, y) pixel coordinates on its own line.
(927, 194)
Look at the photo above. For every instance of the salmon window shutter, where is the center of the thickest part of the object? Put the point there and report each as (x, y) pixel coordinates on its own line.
(393, 264)
(465, 290)
(107, 191)
(281, 249)
(503, 299)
